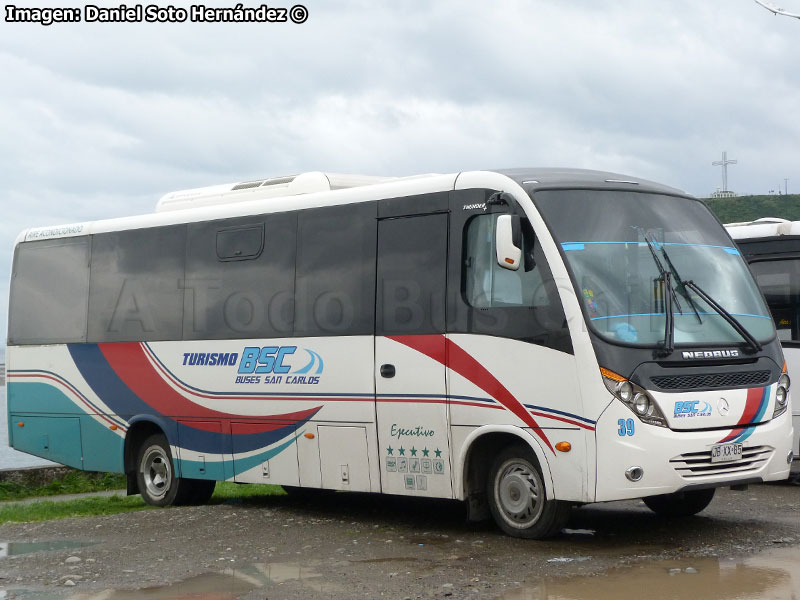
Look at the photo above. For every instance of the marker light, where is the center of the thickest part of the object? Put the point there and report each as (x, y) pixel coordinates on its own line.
(563, 446)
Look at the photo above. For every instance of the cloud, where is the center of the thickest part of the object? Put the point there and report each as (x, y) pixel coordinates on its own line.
(100, 120)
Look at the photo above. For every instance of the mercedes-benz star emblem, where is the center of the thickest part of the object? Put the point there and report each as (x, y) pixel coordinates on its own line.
(723, 406)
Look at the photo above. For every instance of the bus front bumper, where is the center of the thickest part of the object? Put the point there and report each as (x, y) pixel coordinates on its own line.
(649, 460)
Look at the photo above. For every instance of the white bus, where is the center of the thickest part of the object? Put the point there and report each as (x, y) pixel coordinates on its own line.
(772, 247)
(522, 340)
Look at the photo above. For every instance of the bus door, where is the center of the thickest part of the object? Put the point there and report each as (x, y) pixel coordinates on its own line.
(412, 410)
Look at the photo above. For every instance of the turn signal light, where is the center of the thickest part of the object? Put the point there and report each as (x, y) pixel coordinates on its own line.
(20, 424)
(310, 436)
(563, 446)
(611, 375)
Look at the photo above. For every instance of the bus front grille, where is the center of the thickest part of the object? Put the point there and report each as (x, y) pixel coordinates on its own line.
(711, 380)
(698, 464)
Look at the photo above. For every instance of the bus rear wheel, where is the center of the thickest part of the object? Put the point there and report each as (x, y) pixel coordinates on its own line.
(158, 484)
(517, 497)
(680, 504)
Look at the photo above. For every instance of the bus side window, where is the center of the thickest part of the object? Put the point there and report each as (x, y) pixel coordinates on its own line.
(779, 280)
(522, 304)
(50, 292)
(135, 290)
(487, 284)
(335, 283)
(240, 277)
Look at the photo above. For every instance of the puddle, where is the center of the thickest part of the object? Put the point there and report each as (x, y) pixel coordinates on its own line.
(773, 575)
(224, 585)
(17, 548)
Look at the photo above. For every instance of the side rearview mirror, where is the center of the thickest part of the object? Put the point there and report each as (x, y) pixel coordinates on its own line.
(508, 242)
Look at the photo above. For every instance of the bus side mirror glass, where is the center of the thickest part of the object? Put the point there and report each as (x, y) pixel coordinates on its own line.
(508, 242)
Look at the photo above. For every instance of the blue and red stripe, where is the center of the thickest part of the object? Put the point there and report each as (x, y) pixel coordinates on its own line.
(123, 378)
(754, 409)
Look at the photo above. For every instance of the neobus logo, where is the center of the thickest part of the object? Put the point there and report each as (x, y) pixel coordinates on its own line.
(481, 206)
(694, 355)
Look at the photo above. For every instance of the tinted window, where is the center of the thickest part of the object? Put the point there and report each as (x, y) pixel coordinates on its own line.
(237, 298)
(136, 285)
(412, 271)
(49, 292)
(335, 287)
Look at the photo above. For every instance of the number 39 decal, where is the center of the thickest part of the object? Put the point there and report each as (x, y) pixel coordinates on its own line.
(626, 427)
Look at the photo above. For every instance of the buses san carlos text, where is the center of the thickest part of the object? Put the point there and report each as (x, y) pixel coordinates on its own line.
(150, 13)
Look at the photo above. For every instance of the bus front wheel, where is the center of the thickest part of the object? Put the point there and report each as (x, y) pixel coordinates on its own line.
(158, 484)
(517, 497)
(680, 504)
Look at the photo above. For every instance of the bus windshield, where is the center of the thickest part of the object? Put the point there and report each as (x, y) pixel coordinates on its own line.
(633, 256)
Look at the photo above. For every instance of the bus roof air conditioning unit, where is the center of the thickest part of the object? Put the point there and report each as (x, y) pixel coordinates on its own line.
(275, 187)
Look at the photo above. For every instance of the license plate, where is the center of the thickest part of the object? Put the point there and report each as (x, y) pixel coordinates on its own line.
(726, 452)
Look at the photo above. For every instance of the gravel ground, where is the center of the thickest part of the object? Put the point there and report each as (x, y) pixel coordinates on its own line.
(362, 546)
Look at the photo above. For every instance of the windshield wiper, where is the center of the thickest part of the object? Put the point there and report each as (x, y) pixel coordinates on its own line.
(740, 329)
(681, 284)
(669, 297)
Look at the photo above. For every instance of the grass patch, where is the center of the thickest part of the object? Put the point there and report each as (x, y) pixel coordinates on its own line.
(72, 482)
(226, 490)
(47, 510)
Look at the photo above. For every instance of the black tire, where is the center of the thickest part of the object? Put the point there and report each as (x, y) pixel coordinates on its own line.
(200, 490)
(680, 504)
(156, 478)
(517, 497)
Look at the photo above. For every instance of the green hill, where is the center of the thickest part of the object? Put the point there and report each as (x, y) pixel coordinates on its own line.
(750, 208)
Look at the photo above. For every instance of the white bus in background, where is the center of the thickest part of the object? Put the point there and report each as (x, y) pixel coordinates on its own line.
(522, 340)
(772, 247)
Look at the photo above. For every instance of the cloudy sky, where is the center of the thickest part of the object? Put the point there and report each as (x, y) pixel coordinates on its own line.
(99, 120)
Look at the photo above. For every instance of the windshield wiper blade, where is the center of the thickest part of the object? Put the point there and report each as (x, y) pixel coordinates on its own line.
(681, 284)
(669, 297)
(740, 329)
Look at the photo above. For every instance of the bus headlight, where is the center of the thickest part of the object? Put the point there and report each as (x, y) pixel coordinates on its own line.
(782, 395)
(641, 404)
(634, 397)
(624, 391)
(784, 381)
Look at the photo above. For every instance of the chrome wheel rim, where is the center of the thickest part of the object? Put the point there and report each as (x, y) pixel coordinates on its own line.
(519, 494)
(157, 472)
